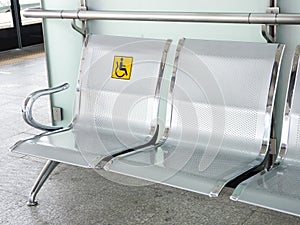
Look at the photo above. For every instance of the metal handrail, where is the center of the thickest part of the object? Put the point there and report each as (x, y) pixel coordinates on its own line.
(191, 17)
(28, 105)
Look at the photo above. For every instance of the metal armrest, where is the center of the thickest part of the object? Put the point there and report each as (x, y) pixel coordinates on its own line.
(28, 103)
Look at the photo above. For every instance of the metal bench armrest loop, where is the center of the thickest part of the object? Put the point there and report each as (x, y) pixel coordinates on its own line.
(28, 104)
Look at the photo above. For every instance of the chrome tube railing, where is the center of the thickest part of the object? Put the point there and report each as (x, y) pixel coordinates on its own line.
(246, 18)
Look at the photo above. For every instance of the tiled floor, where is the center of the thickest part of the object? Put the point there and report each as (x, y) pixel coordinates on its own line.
(74, 195)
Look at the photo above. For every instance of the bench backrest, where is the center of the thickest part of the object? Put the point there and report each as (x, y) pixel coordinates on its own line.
(118, 91)
(223, 96)
(290, 142)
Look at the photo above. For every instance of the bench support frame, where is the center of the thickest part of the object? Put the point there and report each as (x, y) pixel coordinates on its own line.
(45, 173)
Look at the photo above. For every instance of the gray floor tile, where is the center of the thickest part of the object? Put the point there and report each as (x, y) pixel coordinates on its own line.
(269, 217)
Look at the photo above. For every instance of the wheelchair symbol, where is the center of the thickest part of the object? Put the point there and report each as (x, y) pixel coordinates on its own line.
(119, 68)
(122, 67)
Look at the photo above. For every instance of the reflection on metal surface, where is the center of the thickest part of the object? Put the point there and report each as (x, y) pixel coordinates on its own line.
(271, 99)
(169, 110)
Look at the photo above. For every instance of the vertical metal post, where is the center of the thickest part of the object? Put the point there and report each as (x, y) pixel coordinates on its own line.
(83, 29)
(269, 31)
(83, 22)
(15, 9)
(273, 5)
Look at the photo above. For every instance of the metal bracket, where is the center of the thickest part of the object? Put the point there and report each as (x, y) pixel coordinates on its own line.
(83, 29)
(273, 146)
(57, 113)
(269, 31)
(272, 154)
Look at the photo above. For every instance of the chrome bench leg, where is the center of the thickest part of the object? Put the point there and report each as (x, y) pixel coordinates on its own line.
(48, 168)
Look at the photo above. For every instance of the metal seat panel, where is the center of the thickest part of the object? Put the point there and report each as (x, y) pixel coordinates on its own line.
(160, 174)
(277, 190)
(178, 165)
(63, 146)
(58, 147)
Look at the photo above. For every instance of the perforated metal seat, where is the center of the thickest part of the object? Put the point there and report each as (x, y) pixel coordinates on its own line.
(223, 95)
(116, 104)
(278, 189)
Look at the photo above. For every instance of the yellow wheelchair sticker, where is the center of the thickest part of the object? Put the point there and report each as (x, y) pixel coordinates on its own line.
(122, 67)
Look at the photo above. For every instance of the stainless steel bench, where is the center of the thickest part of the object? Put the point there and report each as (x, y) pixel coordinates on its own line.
(217, 117)
(278, 189)
(116, 107)
(221, 101)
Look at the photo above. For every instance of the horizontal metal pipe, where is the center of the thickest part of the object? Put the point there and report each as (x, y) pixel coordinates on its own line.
(165, 17)
(248, 18)
(288, 19)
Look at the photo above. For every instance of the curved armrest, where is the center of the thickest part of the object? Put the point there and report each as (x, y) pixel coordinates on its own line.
(28, 103)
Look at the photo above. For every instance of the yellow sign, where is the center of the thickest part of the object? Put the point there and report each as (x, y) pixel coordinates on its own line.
(122, 67)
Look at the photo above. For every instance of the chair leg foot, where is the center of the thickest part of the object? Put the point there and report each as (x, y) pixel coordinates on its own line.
(46, 171)
(32, 202)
